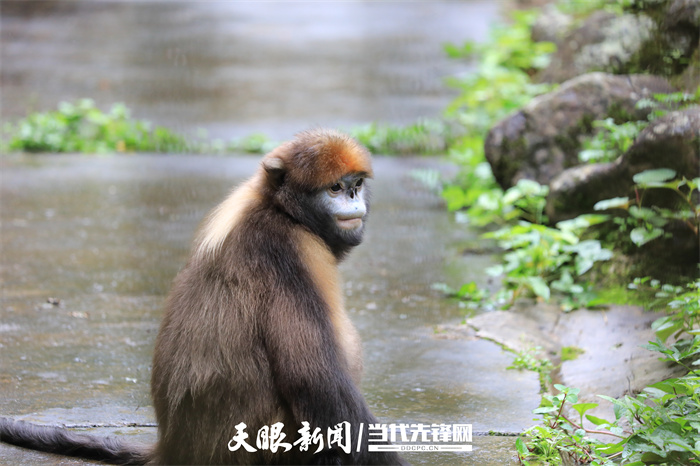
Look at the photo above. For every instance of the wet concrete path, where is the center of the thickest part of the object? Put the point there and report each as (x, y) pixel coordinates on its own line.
(235, 68)
(90, 246)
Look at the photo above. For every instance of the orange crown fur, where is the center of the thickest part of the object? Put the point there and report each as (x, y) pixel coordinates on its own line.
(318, 158)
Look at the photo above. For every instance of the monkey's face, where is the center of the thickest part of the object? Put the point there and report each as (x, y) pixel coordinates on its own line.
(345, 206)
(345, 202)
(335, 212)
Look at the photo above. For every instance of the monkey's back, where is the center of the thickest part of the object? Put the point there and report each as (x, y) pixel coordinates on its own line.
(211, 367)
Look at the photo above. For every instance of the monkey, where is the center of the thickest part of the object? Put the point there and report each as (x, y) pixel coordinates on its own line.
(254, 331)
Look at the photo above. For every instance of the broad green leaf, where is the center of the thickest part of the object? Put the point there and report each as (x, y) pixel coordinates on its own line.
(530, 187)
(521, 448)
(642, 213)
(648, 215)
(591, 154)
(615, 202)
(666, 432)
(665, 327)
(611, 449)
(658, 175)
(455, 197)
(582, 222)
(596, 420)
(641, 236)
(538, 286)
(583, 407)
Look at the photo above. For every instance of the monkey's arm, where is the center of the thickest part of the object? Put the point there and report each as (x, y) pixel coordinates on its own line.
(309, 375)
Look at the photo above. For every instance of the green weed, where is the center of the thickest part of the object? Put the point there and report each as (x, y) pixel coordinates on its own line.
(644, 223)
(662, 423)
(82, 127)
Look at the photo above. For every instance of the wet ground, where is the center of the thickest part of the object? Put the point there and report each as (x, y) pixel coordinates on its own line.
(234, 68)
(90, 246)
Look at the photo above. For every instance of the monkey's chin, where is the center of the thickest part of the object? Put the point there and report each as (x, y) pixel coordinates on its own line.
(349, 223)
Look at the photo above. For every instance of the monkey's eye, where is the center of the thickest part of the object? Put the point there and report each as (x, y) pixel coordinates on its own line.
(359, 182)
(336, 188)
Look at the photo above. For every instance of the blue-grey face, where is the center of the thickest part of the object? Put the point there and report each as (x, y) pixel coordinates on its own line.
(345, 201)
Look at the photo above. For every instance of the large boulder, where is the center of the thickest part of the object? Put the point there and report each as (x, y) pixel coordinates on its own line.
(604, 42)
(672, 141)
(551, 25)
(660, 39)
(544, 137)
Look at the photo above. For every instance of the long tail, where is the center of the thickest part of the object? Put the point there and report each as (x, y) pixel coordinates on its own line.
(52, 439)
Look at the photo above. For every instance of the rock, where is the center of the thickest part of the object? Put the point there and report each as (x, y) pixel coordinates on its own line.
(543, 138)
(604, 42)
(520, 331)
(576, 190)
(683, 15)
(551, 25)
(672, 141)
(689, 80)
(612, 361)
(682, 12)
(660, 40)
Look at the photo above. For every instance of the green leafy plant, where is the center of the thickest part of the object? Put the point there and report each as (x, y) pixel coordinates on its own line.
(502, 81)
(610, 141)
(467, 292)
(661, 104)
(529, 360)
(539, 259)
(256, 143)
(662, 427)
(559, 436)
(423, 137)
(662, 423)
(569, 353)
(500, 84)
(525, 200)
(646, 223)
(533, 360)
(82, 127)
(542, 258)
(665, 417)
(475, 178)
(681, 326)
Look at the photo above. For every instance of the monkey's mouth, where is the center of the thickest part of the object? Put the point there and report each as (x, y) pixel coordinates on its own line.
(349, 223)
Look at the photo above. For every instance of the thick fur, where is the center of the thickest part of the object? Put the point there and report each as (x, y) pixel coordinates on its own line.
(255, 330)
(56, 440)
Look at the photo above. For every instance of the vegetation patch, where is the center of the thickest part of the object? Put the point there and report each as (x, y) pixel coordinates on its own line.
(82, 127)
(613, 137)
(660, 425)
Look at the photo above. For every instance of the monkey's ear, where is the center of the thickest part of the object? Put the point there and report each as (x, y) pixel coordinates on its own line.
(275, 171)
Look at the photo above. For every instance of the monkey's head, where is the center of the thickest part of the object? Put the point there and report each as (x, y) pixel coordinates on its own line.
(318, 179)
